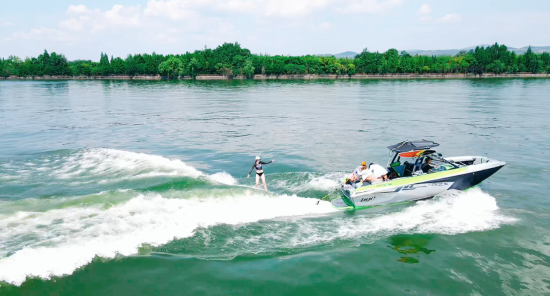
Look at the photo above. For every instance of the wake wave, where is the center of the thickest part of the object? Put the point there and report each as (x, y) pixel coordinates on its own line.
(95, 166)
(223, 178)
(451, 213)
(306, 181)
(76, 235)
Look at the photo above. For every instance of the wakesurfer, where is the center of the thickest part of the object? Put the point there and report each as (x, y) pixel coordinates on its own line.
(259, 171)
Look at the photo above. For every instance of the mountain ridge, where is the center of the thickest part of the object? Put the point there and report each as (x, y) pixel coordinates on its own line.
(448, 52)
(452, 52)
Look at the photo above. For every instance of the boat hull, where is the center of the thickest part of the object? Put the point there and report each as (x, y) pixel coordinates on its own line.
(417, 187)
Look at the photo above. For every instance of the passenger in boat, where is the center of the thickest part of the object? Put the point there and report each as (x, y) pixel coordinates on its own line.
(427, 166)
(259, 171)
(356, 175)
(375, 172)
(357, 171)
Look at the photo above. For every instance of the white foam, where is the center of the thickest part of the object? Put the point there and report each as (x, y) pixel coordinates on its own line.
(223, 178)
(322, 183)
(105, 166)
(326, 182)
(111, 162)
(452, 213)
(56, 242)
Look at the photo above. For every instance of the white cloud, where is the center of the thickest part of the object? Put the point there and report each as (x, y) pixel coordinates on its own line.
(425, 16)
(183, 9)
(123, 16)
(369, 6)
(292, 8)
(450, 18)
(276, 27)
(238, 6)
(86, 20)
(225, 27)
(174, 9)
(71, 24)
(167, 36)
(322, 27)
(42, 34)
(95, 20)
(78, 9)
(424, 9)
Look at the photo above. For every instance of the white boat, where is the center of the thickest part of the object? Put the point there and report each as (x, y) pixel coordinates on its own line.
(410, 183)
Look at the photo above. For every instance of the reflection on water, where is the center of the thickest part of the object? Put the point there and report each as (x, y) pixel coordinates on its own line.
(410, 245)
(51, 88)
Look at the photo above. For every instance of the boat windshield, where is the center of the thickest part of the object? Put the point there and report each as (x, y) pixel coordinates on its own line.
(413, 163)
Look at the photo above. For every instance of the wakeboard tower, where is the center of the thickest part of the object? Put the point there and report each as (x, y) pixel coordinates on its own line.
(410, 183)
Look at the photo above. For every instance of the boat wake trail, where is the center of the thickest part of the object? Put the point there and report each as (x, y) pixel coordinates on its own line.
(451, 213)
(58, 241)
(55, 236)
(95, 166)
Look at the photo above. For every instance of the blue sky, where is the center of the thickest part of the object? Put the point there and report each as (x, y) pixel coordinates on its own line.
(84, 29)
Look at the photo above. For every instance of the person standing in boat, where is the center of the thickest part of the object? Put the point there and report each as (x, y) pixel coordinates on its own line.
(259, 171)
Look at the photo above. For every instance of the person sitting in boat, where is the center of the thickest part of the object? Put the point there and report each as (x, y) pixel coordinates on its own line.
(356, 175)
(374, 173)
(427, 166)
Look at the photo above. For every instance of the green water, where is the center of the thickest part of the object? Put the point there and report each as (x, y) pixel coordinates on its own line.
(140, 188)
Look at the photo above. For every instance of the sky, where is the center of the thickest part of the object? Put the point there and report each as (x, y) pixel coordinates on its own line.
(83, 29)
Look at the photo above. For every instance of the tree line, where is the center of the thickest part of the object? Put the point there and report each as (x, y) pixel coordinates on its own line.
(231, 59)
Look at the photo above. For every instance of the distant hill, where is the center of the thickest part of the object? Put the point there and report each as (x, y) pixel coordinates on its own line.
(349, 55)
(452, 52)
(536, 49)
(447, 52)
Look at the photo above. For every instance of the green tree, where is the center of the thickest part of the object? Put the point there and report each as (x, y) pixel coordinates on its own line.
(104, 65)
(231, 58)
(223, 69)
(530, 60)
(193, 68)
(173, 67)
(351, 69)
(248, 68)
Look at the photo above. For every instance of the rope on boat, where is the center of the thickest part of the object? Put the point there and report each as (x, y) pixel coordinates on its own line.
(326, 196)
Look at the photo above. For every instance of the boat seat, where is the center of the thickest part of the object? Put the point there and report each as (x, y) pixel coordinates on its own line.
(400, 170)
(408, 171)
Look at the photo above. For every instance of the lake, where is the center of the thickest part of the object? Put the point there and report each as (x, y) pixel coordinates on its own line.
(140, 188)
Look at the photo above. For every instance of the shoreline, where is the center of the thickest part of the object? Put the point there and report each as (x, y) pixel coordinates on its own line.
(286, 77)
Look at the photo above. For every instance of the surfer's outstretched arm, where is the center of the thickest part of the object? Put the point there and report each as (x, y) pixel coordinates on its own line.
(250, 171)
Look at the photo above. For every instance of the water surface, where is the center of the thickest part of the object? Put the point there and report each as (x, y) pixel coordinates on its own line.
(138, 188)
